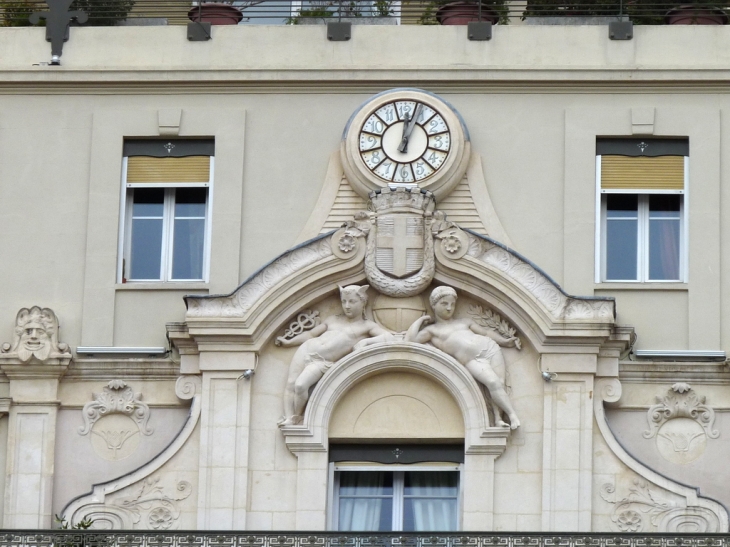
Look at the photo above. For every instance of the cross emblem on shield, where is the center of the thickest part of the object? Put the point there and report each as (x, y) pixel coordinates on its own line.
(399, 245)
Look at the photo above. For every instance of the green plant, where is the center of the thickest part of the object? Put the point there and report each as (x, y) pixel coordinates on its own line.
(63, 524)
(338, 8)
(103, 13)
(429, 14)
(15, 14)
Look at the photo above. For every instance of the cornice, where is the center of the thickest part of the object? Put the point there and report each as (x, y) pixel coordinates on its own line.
(482, 80)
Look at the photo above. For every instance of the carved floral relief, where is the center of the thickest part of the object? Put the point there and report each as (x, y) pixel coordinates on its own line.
(646, 510)
(148, 505)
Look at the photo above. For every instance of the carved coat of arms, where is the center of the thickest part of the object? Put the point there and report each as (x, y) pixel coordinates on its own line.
(399, 259)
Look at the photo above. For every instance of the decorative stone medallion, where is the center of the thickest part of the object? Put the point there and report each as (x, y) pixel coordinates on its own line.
(408, 138)
(115, 437)
(681, 440)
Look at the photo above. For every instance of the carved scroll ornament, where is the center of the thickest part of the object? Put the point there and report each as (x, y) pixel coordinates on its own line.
(149, 506)
(117, 398)
(681, 401)
(644, 510)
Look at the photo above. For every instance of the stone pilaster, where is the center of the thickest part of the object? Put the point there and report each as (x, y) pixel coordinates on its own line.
(224, 439)
(34, 363)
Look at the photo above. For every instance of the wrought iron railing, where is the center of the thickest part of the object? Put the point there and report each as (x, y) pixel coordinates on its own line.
(170, 12)
(90, 538)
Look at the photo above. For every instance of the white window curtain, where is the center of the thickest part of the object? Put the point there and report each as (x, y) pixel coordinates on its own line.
(363, 498)
(430, 501)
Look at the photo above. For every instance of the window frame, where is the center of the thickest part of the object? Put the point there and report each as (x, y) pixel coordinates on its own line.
(166, 259)
(642, 265)
(398, 491)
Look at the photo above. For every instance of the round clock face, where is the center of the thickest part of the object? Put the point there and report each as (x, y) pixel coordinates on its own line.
(405, 137)
(404, 142)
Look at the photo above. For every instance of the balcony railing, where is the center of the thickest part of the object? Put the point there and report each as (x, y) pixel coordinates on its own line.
(172, 12)
(89, 538)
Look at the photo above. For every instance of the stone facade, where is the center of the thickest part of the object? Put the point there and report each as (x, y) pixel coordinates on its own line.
(338, 310)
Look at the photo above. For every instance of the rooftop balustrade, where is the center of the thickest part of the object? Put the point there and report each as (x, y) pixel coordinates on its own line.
(405, 12)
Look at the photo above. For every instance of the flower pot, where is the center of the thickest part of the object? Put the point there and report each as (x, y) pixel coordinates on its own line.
(461, 13)
(216, 13)
(696, 15)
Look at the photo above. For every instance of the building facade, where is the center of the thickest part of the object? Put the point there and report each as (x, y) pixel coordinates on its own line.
(402, 282)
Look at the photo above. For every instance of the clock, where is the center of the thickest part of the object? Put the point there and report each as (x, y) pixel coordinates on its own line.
(406, 137)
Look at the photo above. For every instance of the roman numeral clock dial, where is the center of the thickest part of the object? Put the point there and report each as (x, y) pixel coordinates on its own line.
(406, 138)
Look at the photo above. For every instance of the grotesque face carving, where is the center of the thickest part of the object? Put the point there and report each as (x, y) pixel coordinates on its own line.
(36, 334)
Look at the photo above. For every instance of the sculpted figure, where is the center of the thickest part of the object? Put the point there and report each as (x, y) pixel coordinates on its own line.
(324, 345)
(471, 345)
(35, 335)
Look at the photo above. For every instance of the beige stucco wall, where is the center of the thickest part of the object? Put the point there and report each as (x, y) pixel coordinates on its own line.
(276, 99)
(61, 130)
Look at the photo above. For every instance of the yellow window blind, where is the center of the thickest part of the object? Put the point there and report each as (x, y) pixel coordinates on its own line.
(186, 169)
(642, 173)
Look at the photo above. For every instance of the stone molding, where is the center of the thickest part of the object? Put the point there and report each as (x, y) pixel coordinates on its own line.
(256, 288)
(691, 505)
(96, 504)
(559, 304)
(480, 438)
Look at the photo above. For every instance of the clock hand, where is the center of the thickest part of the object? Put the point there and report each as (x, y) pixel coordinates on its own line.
(408, 128)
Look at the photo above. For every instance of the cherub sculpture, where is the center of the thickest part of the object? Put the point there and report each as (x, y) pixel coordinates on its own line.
(324, 345)
(471, 345)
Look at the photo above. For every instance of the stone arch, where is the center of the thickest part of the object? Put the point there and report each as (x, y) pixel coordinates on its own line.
(415, 358)
(482, 444)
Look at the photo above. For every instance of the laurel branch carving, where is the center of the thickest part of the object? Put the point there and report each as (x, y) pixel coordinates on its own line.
(492, 320)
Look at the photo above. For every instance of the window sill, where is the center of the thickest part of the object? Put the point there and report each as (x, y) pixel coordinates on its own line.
(642, 286)
(162, 286)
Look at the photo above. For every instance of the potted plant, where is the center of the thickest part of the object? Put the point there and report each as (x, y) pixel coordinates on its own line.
(461, 12)
(104, 13)
(675, 12)
(223, 12)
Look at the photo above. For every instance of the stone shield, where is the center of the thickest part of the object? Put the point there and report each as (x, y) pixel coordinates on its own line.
(399, 244)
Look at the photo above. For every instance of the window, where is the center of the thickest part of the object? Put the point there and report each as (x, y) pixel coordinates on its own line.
(166, 204)
(421, 499)
(395, 488)
(641, 203)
